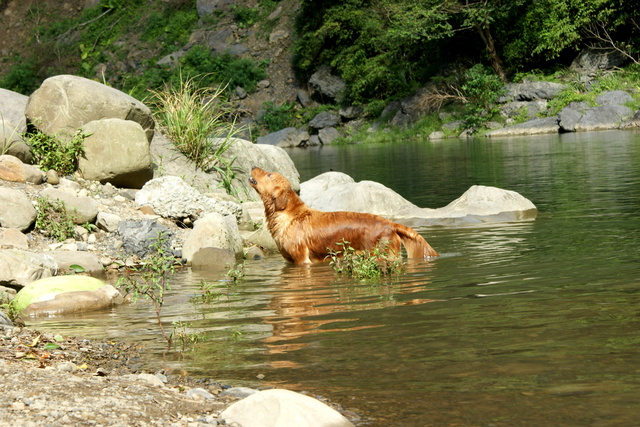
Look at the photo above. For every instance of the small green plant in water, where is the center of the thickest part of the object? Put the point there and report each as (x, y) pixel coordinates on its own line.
(209, 293)
(59, 153)
(236, 274)
(236, 335)
(180, 335)
(370, 264)
(151, 279)
(53, 219)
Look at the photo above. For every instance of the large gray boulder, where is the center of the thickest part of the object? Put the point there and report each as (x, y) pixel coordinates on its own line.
(335, 191)
(84, 209)
(116, 151)
(531, 91)
(327, 85)
(171, 197)
(278, 407)
(615, 97)
(16, 210)
(168, 161)
(591, 60)
(242, 154)
(246, 155)
(609, 116)
(611, 113)
(65, 103)
(412, 108)
(139, 237)
(214, 242)
(325, 119)
(285, 138)
(18, 268)
(12, 109)
(328, 135)
(12, 143)
(570, 115)
(531, 127)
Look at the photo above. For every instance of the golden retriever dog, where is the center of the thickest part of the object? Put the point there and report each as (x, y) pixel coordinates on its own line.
(305, 235)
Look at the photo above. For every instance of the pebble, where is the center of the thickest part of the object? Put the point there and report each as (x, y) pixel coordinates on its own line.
(239, 392)
(52, 177)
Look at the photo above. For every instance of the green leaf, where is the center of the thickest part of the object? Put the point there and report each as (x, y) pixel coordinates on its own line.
(77, 268)
(51, 346)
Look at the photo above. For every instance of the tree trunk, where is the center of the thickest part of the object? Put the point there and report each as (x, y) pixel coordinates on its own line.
(496, 63)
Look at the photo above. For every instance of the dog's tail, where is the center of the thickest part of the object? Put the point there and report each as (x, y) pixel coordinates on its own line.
(415, 244)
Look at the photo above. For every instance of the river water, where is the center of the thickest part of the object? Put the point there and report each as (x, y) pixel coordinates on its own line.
(521, 324)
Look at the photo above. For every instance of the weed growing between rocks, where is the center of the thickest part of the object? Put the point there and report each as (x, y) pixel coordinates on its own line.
(53, 219)
(371, 264)
(151, 279)
(59, 153)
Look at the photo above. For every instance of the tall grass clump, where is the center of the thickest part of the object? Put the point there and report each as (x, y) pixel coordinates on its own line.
(198, 122)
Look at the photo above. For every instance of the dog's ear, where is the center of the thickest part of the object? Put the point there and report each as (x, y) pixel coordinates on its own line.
(281, 200)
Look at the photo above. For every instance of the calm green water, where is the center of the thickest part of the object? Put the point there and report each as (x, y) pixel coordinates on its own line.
(525, 324)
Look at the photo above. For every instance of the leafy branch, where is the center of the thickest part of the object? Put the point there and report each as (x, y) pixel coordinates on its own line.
(152, 279)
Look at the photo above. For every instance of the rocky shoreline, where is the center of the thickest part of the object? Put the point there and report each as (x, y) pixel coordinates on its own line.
(47, 379)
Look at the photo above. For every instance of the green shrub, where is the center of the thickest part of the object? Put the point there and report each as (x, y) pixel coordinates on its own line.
(53, 219)
(214, 70)
(278, 117)
(170, 27)
(481, 88)
(245, 16)
(22, 78)
(56, 152)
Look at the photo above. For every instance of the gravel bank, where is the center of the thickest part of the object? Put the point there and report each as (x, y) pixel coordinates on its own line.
(50, 380)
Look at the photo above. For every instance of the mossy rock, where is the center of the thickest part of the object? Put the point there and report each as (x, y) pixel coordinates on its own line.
(47, 289)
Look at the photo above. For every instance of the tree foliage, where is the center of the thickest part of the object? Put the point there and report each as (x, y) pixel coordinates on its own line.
(385, 48)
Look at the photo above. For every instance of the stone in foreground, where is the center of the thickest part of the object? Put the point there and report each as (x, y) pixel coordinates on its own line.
(283, 408)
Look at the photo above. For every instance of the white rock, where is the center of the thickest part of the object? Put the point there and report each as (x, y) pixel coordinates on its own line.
(283, 408)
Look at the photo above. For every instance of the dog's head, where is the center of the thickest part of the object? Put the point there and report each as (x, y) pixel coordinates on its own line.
(274, 189)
